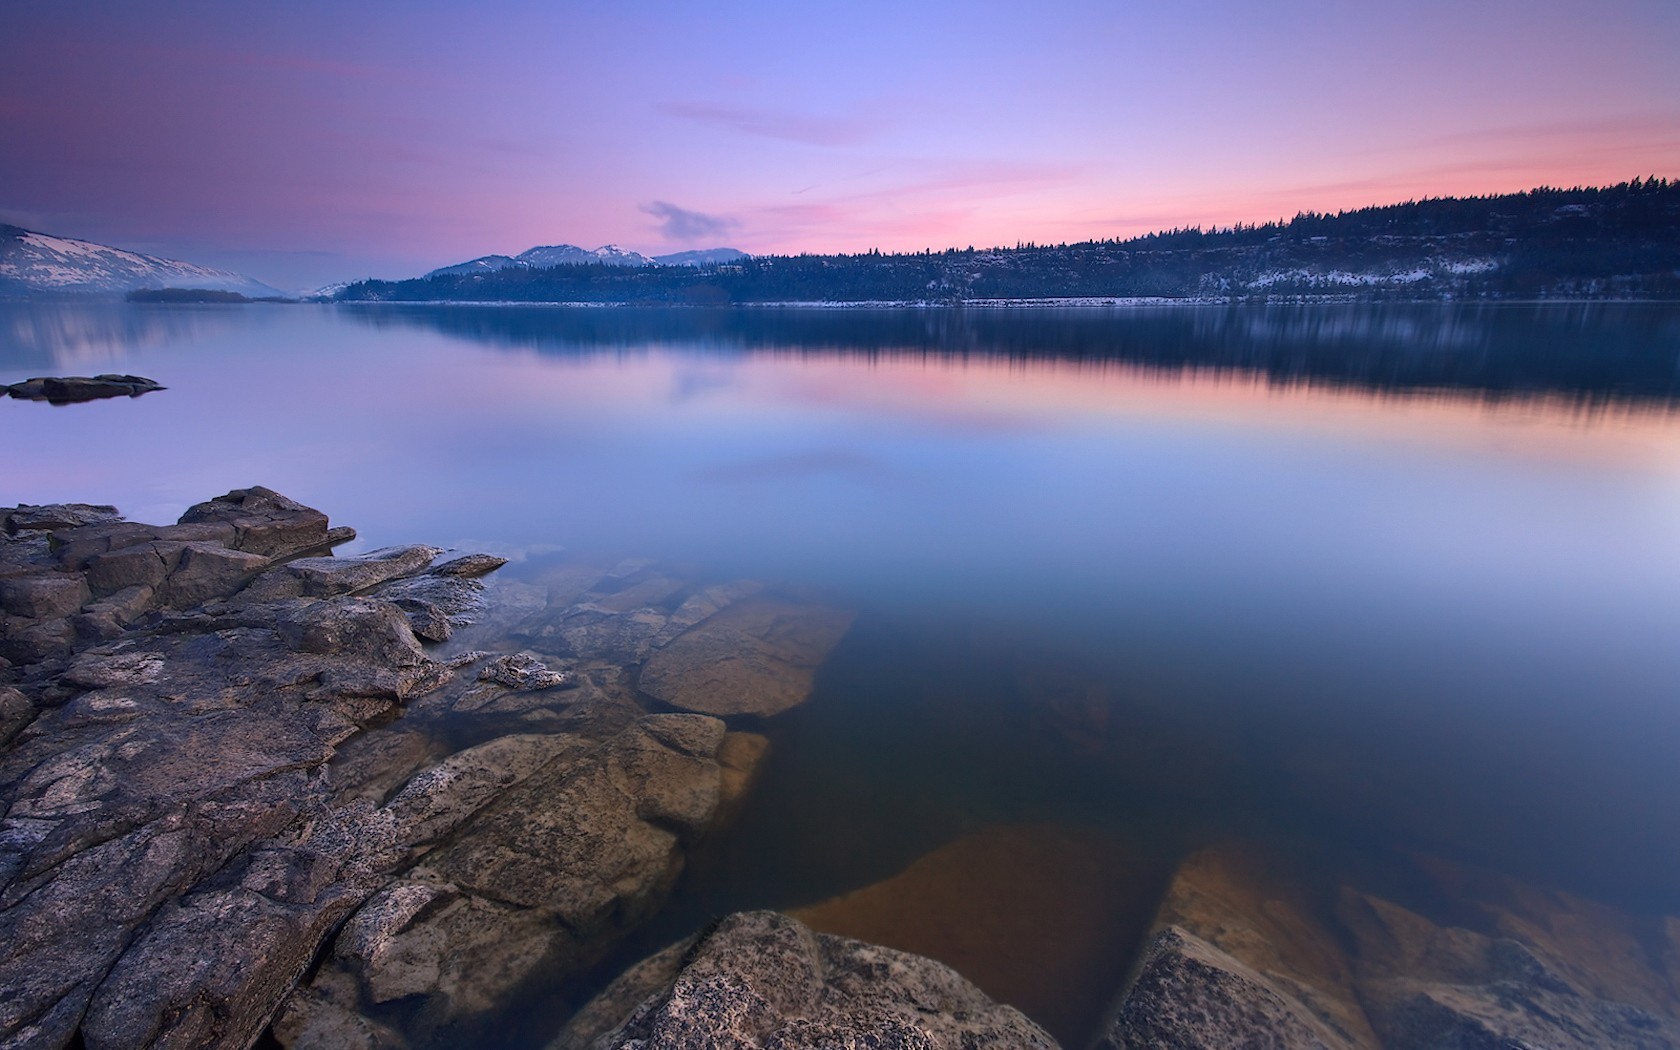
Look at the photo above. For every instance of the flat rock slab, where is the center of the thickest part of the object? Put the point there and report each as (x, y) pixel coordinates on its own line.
(64, 390)
(758, 657)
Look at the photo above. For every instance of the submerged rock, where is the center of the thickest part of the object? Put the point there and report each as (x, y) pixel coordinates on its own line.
(760, 979)
(1243, 958)
(1040, 916)
(754, 657)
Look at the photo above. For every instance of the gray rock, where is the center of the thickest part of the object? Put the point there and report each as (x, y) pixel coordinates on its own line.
(74, 546)
(62, 390)
(761, 979)
(1189, 995)
(44, 597)
(264, 521)
(205, 571)
(470, 566)
(51, 517)
(16, 712)
(560, 844)
(171, 855)
(521, 671)
(323, 577)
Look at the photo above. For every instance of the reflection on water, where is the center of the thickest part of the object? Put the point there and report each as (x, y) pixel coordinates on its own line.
(1155, 578)
(1585, 353)
(65, 336)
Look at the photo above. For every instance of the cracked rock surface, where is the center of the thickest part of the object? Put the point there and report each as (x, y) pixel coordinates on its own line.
(240, 796)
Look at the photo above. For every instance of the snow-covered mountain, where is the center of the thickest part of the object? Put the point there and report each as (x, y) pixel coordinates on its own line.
(40, 264)
(544, 256)
(703, 257)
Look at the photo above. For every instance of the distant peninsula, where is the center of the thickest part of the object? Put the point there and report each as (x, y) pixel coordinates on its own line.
(1617, 242)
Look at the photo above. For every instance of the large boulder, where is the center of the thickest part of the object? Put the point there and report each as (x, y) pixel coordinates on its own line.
(761, 979)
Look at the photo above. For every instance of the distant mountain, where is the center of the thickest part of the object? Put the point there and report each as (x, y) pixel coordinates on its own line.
(704, 257)
(545, 256)
(40, 264)
(1613, 242)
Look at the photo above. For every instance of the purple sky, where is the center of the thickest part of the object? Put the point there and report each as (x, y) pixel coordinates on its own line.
(307, 142)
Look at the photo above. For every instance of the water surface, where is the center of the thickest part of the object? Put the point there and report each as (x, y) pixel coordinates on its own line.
(1368, 580)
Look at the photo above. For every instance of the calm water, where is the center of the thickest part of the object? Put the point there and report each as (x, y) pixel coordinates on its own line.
(1368, 580)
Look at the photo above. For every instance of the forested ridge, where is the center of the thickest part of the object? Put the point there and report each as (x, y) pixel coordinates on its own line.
(1616, 242)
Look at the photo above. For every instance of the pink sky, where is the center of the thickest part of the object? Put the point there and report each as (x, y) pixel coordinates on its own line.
(310, 142)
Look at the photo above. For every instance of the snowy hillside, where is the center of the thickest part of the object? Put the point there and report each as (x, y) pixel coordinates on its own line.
(37, 263)
(544, 256)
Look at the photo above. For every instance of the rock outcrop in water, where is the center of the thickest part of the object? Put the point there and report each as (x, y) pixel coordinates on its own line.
(760, 979)
(209, 793)
(65, 390)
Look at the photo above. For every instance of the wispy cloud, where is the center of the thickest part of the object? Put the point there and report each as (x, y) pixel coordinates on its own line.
(682, 224)
(812, 129)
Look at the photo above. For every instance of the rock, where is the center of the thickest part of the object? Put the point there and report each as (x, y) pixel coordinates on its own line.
(51, 517)
(173, 851)
(1192, 996)
(470, 566)
(74, 546)
(436, 604)
(62, 390)
(205, 571)
(323, 577)
(140, 565)
(264, 521)
(758, 657)
(1427, 985)
(1273, 953)
(559, 846)
(44, 597)
(764, 980)
(521, 671)
(741, 755)
(16, 712)
(1037, 915)
(1240, 956)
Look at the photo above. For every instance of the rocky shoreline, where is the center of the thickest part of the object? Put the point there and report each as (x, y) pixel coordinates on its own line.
(256, 792)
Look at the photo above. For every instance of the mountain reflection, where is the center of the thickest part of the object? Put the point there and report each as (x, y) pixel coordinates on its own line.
(1586, 353)
(67, 335)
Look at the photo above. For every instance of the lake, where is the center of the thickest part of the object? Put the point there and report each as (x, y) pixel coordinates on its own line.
(1369, 581)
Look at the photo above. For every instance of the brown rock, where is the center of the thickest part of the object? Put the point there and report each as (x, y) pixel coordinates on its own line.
(758, 656)
(1044, 917)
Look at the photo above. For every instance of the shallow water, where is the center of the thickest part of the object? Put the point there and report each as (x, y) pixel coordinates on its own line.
(1365, 580)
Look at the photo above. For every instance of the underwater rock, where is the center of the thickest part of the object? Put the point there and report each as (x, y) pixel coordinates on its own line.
(1243, 954)
(754, 657)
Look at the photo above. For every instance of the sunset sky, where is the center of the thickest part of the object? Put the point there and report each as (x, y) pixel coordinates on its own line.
(309, 142)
